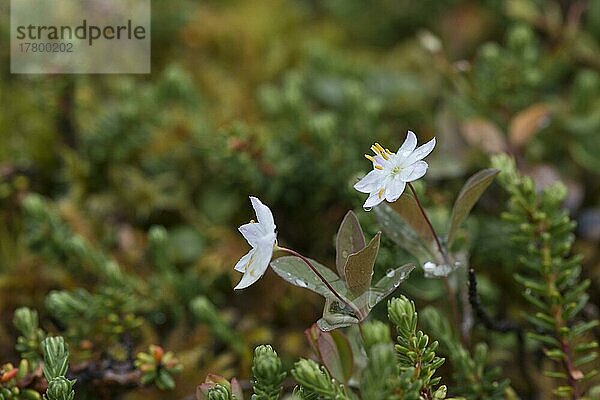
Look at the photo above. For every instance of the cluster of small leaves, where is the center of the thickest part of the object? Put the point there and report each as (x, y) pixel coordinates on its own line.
(381, 378)
(158, 367)
(316, 382)
(415, 352)
(50, 237)
(101, 318)
(473, 379)
(28, 344)
(9, 378)
(49, 360)
(205, 311)
(495, 70)
(56, 363)
(26, 383)
(544, 236)
(216, 387)
(268, 374)
(405, 372)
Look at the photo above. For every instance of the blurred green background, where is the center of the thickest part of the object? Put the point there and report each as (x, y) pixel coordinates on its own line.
(281, 99)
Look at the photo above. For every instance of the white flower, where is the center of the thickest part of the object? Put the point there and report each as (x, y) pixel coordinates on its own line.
(262, 237)
(392, 171)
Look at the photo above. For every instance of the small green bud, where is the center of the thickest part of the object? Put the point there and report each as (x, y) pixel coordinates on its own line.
(26, 321)
(401, 312)
(219, 392)
(375, 332)
(440, 393)
(267, 365)
(60, 388)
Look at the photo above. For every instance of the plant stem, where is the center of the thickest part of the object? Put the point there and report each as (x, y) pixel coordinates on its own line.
(435, 236)
(573, 374)
(449, 289)
(321, 277)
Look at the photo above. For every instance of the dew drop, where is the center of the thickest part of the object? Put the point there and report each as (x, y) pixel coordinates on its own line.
(390, 273)
(367, 209)
(301, 283)
(429, 265)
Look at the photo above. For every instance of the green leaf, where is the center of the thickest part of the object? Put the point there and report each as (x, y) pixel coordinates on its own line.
(401, 233)
(386, 285)
(56, 357)
(359, 267)
(295, 271)
(336, 354)
(468, 196)
(345, 351)
(350, 239)
(408, 209)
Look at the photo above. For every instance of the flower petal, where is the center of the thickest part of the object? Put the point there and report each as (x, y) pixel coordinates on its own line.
(252, 232)
(373, 200)
(242, 264)
(409, 144)
(370, 182)
(256, 267)
(394, 190)
(420, 152)
(263, 214)
(414, 171)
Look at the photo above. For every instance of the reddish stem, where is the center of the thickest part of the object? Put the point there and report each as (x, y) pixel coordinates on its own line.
(449, 289)
(321, 277)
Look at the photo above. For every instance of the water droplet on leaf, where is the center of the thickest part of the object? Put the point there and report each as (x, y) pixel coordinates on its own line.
(390, 273)
(301, 283)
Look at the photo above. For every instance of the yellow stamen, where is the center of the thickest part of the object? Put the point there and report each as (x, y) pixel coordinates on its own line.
(370, 158)
(380, 194)
(381, 151)
(388, 151)
(379, 167)
(252, 221)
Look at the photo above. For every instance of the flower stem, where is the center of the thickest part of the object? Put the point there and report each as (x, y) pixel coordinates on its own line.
(449, 289)
(435, 236)
(320, 276)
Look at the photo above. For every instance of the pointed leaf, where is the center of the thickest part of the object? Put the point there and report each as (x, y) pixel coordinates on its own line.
(386, 285)
(359, 267)
(236, 390)
(329, 356)
(468, 196)
(336, 354)
(312, 334)
(350, 239)
(406, 206)
(345, 353)
(401, 233)
(295, 271)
